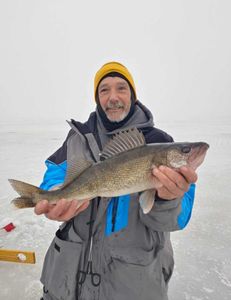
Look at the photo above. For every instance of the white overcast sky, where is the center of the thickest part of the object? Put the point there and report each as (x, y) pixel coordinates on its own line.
(179, 52)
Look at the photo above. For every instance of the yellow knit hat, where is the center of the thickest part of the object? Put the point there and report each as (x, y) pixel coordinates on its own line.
(110, 67)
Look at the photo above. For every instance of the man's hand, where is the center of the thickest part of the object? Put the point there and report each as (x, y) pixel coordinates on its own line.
(62, 211)
(174, 183)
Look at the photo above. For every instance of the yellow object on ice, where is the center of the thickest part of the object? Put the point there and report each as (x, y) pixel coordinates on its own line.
(25, 257)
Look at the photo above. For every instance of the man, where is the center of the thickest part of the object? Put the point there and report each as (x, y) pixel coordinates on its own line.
(108, 248)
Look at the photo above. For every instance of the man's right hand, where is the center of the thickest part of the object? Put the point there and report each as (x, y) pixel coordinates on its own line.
(62, 211)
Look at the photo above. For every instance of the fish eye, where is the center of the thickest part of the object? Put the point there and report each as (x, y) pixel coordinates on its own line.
(186, 149)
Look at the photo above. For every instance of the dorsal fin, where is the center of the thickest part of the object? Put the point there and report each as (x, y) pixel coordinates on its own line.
(123, 141)
(75, 168)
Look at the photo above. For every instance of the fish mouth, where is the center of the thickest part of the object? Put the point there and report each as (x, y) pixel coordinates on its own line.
(197, 155)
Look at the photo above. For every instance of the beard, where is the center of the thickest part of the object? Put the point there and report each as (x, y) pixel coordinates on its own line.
(117, 116)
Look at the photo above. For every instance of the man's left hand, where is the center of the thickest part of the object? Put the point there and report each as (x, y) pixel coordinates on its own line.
(174, 183)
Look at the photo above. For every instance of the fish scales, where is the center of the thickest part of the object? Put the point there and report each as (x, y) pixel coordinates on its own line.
(121, 172)
(127, 172)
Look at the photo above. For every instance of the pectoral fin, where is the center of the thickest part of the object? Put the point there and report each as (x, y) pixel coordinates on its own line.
(147, 200)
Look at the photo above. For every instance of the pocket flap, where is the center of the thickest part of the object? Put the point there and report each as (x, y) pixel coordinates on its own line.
(134, 255)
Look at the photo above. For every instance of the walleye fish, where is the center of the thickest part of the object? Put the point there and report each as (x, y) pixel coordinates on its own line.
(125, 167)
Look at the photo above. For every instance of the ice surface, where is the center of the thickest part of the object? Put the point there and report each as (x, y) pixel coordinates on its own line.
(202, 250)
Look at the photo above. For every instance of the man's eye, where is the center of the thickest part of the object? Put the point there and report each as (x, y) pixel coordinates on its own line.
(121, 88)
(103, 90)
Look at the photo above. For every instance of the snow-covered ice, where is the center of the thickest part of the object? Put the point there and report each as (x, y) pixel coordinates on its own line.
(202, 250)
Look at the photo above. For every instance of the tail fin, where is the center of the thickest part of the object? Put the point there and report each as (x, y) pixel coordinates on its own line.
(26, 191)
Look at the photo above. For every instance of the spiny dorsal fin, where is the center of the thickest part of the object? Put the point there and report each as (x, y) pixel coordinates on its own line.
(123, 141)
(75, 168)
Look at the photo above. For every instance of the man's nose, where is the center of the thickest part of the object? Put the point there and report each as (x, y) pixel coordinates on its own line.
(113, 95)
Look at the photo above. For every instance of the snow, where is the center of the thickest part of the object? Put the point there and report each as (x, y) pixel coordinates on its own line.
(202, 250)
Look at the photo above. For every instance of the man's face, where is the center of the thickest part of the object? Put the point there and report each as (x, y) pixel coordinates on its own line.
(115, 98)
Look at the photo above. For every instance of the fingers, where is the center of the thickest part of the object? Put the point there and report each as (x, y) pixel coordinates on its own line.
(174, 183)
(165, 194)
(189, 174)
(67, 210)
(59, 210)
(171, 179)
(41, 207)
(63, 210)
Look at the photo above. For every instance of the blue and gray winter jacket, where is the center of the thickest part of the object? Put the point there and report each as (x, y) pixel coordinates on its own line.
(131, 251)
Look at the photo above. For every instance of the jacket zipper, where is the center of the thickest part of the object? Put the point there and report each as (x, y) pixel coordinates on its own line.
(114, 212)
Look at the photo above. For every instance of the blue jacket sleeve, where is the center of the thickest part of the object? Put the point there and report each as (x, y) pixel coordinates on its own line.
(54, 175)
(186, 207)
(56, 167)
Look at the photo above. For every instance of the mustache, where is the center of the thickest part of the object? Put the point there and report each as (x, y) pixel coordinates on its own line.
(114, 105)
